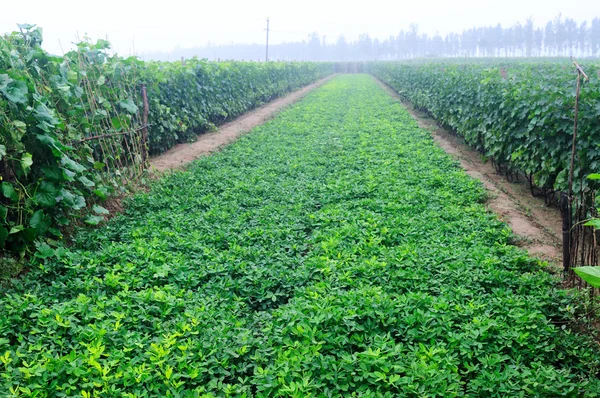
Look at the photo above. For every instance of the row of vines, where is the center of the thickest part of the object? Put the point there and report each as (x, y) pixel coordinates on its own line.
(520, 115)
(73, 130)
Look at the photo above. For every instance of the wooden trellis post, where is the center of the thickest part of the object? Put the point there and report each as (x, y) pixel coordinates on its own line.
(567, 202)
(145, 112)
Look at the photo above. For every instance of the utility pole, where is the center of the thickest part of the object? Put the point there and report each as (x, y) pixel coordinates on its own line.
(267, 54)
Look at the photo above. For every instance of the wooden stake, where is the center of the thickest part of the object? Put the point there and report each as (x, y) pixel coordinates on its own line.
(568, 211)
(145, 148)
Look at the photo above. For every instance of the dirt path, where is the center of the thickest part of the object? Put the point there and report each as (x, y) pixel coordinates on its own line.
(183, 154)
(537, 227)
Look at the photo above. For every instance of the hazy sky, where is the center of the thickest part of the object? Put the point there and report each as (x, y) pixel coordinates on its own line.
(151, 25)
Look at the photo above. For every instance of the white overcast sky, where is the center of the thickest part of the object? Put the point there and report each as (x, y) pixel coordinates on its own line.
(151, 25)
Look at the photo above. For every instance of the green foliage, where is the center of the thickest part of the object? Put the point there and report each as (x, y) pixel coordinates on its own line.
(524, 121)
(333, 251)
(589, 274)
(47, 105)
(190, 97)
(50, 105)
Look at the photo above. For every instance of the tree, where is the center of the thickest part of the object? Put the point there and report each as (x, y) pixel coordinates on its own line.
(559, 35)
(538, 40)
(412, 39)
(314, 47)
(518, 39)
(583, 38)
(570, 35)
(437, 45)
(528, 36)
(595, 36)
(549, 38)
(365, 47)
(341, 49)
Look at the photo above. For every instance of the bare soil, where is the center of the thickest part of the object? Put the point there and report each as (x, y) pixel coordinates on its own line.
(537, 226)
(182, 154)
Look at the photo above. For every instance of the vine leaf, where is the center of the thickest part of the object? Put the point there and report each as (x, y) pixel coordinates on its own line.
(589, 274)
(15, 92)
(594, 222)
(26, 162)
(4, 81)
(129, 106)
(40, 221)
(86, 181)
(16, 229)
(94, 220)
(46, 194)
(9, 192)
(44, 251)
(71, 164)
(99, 209)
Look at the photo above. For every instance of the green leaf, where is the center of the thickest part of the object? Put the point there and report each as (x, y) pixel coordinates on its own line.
(26, 162)
(40, 221)
(101, 192)
(9, 192)
(36, 219)
(3, 214)
(129, 106)
(116, 123)
(79, 202)
(589, 274)
(17, 131)
(71, 164)
(101, 80)
(46, 194)
(74, 201)
(99, 209)
(45, 118)
(68, 175)
(594, 222)
(94, 220)
(86, 181)
(5, 80)
(52, 173)
(44, 251)
(16, 229)
(594, 176)
(15, 92)
(55, 145)
(2, 151)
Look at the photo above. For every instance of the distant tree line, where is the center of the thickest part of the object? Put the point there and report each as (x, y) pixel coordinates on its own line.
(559, 37)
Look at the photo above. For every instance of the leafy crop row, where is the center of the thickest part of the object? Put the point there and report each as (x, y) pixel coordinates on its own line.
(50, 104)
(193, 96)
(334, 251)
(518, 113)
(47, 105)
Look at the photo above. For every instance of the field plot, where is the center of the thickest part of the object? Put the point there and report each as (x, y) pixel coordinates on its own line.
(334, 251)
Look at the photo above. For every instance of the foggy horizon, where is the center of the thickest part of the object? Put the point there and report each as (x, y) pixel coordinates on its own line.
(147, 31)
(558, 37)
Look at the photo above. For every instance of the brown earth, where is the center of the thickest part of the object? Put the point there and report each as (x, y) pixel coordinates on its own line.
(182, 154)
(537, 227)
